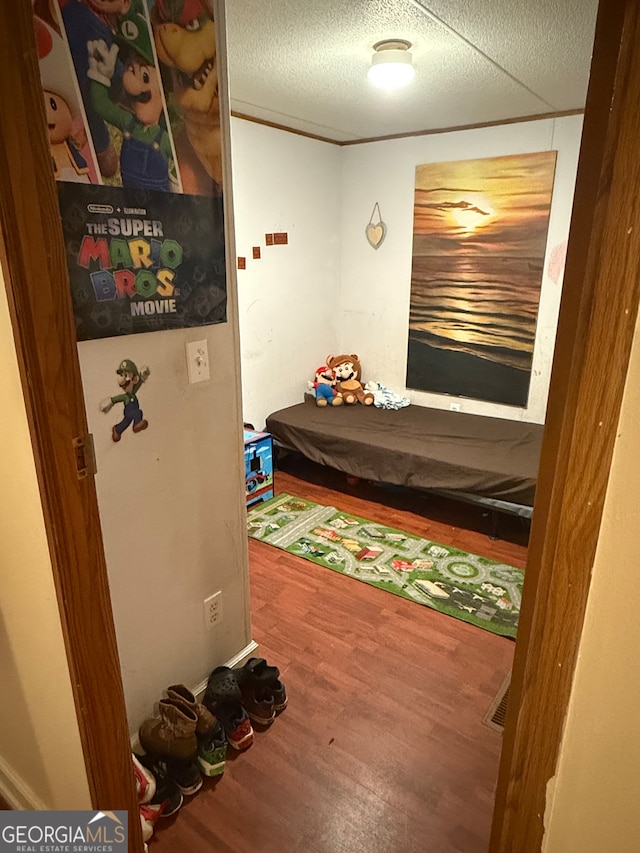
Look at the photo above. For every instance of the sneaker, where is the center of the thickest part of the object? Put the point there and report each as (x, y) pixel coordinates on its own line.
(279, 695)
(167, 793)
(257, 674)
(212, 753)
(259, 705)
(145, 781)
(184, 774)
(237, 726)
(149, 816)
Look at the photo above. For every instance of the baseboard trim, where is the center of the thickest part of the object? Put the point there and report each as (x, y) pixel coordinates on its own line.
(250, 650)
(237, 660)
(16, 792)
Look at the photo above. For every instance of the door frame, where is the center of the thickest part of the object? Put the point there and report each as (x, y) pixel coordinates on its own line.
(595, 331)
(33, 258)
(597, 321)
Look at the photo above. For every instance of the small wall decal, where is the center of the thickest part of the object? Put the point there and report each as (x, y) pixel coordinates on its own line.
(376, 230)
(242, 263)
(130, 380)
(256, 253)
(280, 238)
(555, 267)
(268, 239)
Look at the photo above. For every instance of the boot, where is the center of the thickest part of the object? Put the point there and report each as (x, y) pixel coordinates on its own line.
(173, 735)
(206, 721)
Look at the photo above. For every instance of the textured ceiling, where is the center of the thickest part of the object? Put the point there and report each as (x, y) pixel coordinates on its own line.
(303, 63)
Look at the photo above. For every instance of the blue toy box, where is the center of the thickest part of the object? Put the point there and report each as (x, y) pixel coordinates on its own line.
(258, 466)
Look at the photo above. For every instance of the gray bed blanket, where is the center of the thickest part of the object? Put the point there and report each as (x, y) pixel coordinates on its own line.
(418, 447)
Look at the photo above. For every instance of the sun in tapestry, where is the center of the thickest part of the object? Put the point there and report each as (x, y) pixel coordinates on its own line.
(479, 238)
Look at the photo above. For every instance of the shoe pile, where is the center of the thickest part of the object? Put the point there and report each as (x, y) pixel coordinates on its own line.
(189, 739)
(239, 697)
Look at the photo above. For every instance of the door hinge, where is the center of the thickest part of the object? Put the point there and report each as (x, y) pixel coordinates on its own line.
(85, 456)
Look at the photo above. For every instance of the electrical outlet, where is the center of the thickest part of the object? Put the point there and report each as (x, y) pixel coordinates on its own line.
(455, 407)
(198, 361)
(213, 610)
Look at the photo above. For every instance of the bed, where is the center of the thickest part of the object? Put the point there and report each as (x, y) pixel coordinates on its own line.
(488, 461)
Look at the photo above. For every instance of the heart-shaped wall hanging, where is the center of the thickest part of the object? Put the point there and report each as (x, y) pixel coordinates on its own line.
(375, 231)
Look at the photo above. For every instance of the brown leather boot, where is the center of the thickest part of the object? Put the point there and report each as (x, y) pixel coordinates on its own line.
(173, 734)
(206, 721)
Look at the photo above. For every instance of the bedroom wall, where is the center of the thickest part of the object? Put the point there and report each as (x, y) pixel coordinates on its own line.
(327, 290)
(288, 300)
(375, 284)
(171, 503)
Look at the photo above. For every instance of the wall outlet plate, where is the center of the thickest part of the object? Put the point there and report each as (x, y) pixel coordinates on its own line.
(213, 610)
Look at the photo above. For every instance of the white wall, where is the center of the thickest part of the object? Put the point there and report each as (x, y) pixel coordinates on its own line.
(593, 799)
(289, 300)
(375, 284)
(171, 508)
(328, 290)
(39, 735)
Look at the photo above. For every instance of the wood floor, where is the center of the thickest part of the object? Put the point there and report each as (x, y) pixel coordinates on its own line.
(382, 748)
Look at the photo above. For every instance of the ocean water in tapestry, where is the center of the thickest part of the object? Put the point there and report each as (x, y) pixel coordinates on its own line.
(479, 239)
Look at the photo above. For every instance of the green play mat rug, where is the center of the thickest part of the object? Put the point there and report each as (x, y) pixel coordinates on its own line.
(463, 585)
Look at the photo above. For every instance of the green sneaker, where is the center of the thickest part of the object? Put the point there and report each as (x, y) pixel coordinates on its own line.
(212, 753)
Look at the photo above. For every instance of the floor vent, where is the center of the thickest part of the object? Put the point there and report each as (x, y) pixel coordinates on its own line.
(497, 714)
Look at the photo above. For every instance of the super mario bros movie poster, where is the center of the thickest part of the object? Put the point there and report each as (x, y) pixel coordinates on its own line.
(142, 261)
(131, 97)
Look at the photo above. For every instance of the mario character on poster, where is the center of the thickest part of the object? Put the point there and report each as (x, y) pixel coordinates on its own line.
(130, 380)
(85, 21)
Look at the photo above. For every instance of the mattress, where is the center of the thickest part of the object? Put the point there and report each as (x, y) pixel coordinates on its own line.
(453, 452)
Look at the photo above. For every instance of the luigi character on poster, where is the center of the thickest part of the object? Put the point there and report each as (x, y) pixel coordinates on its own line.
(130, 380)
(146, 158)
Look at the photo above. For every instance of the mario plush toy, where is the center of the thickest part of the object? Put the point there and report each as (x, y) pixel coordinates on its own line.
(324, 386)
(347, 371)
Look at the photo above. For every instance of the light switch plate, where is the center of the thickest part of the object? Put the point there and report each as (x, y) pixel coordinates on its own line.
(198, 361)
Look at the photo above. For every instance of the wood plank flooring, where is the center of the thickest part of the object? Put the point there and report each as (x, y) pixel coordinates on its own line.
(382, 748)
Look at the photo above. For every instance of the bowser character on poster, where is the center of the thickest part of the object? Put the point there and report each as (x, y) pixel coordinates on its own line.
(185, 36)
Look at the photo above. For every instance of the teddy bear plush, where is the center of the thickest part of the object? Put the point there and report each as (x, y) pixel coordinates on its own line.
(324, 387)
(348, 372)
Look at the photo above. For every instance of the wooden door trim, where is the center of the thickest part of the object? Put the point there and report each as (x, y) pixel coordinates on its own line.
(34, 263)
(597, 322)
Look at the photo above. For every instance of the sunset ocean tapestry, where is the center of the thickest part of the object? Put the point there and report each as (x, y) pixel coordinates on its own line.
(479, 238)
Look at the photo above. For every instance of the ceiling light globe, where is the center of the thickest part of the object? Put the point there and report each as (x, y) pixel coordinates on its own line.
(391, 69)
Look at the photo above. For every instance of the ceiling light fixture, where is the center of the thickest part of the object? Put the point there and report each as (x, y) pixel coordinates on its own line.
(391, 65)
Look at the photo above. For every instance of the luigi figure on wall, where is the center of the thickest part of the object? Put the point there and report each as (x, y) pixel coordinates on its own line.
(130, 380)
